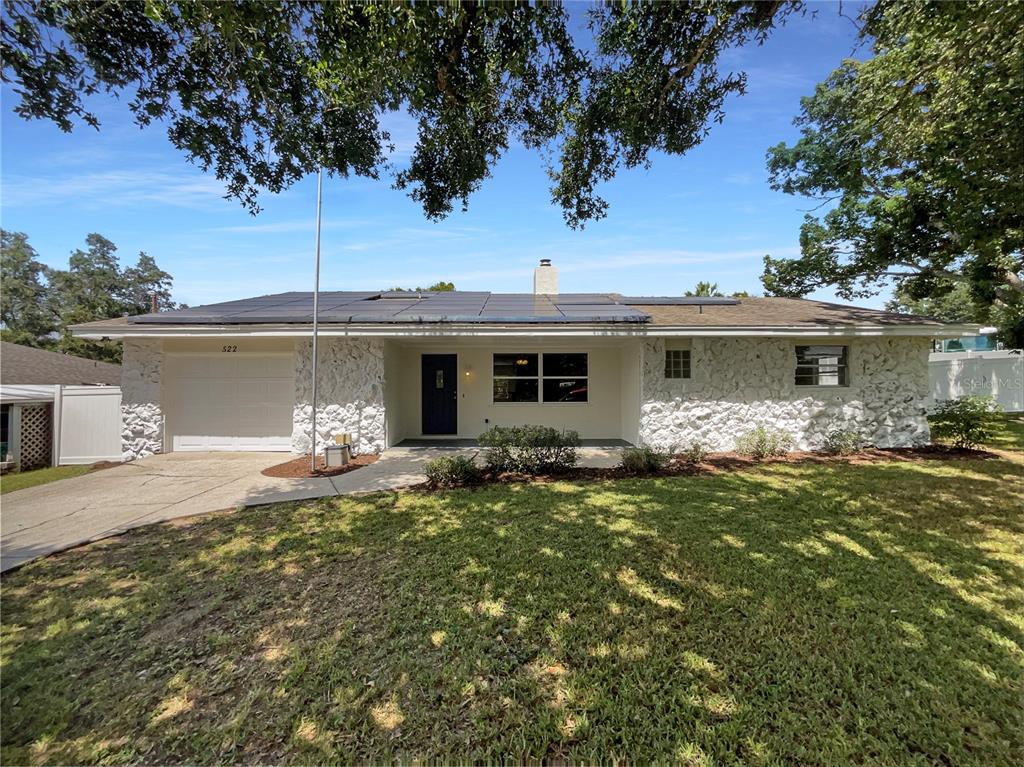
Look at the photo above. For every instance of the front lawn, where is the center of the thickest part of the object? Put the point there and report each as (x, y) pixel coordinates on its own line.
(811, 613)
(1010, 433)
(20, 480)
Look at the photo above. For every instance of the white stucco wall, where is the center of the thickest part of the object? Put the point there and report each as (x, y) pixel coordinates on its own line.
(740, 383)
(141, 408)
(350, 393)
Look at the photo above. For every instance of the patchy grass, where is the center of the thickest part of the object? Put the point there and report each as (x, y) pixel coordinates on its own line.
(24, 479)
(1010, 435)
(822, 613)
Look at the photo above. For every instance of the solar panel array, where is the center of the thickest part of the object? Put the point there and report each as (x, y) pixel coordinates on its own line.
(419, 307)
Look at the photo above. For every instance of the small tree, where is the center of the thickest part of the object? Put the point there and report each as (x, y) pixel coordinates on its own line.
(966, 421)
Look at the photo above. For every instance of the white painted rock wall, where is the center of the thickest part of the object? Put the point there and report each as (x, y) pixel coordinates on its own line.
(142, 416)
(350, 393)
(740, 383)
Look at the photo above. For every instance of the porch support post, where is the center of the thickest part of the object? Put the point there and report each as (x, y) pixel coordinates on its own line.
(14, 436)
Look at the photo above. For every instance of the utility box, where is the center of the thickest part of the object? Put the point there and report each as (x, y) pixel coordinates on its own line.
(336, 456)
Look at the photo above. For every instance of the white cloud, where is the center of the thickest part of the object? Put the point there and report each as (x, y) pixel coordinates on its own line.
(114, 188)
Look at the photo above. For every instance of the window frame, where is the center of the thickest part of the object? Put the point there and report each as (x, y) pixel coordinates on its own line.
(544, 377)
(540, 378)
(841, 368)
(534, 378)
(685, 364)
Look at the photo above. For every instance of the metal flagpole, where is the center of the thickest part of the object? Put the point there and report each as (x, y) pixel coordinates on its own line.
(316, 312)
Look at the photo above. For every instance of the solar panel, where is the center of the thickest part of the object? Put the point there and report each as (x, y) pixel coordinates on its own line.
(590, 299)
(411, 307)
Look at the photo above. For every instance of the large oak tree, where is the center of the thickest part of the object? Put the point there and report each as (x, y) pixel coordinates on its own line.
(917, 154)
(264, 93)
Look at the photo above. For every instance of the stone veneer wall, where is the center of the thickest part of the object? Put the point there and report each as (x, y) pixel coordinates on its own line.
(142, 418)
(350, 394)
(739, 383)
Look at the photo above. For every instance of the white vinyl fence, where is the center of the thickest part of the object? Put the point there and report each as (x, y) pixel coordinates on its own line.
(996, 373)
(58, 425)
(90, 423)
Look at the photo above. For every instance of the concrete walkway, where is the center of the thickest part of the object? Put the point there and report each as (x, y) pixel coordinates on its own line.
(42, 520)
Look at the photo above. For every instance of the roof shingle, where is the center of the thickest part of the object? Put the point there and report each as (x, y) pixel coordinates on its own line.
(24, 365)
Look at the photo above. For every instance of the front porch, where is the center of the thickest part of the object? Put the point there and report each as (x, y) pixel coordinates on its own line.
(448, 391)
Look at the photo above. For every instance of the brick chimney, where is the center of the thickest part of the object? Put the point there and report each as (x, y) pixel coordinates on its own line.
(545, 278)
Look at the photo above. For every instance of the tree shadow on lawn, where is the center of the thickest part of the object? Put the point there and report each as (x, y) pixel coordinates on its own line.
(795, 613)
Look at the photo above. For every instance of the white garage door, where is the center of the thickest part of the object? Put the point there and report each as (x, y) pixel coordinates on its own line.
(229, 401)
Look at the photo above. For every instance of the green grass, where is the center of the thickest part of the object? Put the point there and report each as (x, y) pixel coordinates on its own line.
(23, 479)
(1010, 434)
(811, 613)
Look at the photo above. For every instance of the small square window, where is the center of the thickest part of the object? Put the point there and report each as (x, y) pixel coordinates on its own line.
(677, 363)
(822, 366)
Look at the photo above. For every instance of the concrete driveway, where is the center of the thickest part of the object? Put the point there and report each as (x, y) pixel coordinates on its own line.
(57, 516)
(53, 517)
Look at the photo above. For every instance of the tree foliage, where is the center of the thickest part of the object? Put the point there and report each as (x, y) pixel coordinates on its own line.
(23, 305)
(956, 306)
(438, 287)
(705, 289)
(39, 302)
(920, 151)
(265, 93)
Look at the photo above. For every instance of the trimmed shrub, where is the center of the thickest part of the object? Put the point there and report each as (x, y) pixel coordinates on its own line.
(842, 442)
(452, 471)
(763, 442)
(966, 421)
(530, 449)
(695, 453)
(643, 460)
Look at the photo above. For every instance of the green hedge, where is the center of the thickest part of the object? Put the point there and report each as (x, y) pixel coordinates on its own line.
(530, 449)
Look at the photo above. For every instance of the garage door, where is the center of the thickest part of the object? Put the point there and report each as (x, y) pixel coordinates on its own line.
(229, 401)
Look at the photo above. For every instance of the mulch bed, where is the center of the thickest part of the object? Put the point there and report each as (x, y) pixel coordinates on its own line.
(299, 468)
(716, 462)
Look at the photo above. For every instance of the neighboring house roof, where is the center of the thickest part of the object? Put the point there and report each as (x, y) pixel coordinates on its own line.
(26, 365)
(393, 313)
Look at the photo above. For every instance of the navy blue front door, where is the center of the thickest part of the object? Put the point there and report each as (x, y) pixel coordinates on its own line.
(440, 394)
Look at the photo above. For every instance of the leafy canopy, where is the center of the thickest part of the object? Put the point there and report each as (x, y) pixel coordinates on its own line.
(39, 302)
(438, 287)
(705, 289)
(23, 310)
(920, 151)
(265, 93)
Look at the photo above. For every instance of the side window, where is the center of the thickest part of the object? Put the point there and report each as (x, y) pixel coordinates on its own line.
(822, 366)
(677, 363)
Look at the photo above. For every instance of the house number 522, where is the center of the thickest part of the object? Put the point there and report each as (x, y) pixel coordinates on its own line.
(230, 348)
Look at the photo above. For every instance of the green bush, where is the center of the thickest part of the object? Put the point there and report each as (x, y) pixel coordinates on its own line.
(966, 421)
(530, 449)
(763, 442)
(452, 471)
(842, 442)
(644, 460)
(695, 453)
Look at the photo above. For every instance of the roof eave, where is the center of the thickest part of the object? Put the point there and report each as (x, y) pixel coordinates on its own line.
(484, 329)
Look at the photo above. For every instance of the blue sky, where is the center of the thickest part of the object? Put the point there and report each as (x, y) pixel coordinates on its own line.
(706, 216)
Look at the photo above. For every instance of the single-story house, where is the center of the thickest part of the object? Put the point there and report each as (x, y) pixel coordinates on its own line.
(445, 365)
(57, 408)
